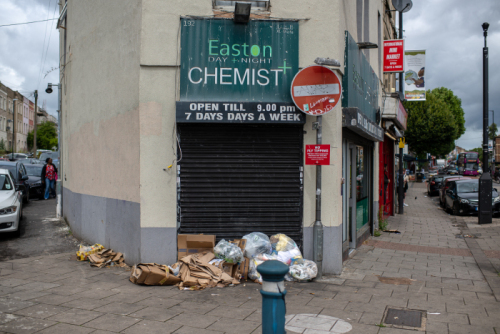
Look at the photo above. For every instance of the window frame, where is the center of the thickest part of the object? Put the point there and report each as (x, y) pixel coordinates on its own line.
(265, 8)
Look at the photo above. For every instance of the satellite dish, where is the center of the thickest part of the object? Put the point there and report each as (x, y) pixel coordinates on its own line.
(402, 5)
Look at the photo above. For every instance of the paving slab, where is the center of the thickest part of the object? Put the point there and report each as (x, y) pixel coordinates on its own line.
(151, 327)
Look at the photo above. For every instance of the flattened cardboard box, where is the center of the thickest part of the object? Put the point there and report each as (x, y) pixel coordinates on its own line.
(152, 274)
(193, 243)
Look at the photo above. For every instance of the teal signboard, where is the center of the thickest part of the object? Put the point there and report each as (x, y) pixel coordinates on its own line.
(360, 83)
(222, 61)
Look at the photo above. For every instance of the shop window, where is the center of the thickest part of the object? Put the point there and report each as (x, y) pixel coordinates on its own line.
(256, 5)
(362, 190)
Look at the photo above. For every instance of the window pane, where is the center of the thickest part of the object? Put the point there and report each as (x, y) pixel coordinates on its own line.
(232, 3)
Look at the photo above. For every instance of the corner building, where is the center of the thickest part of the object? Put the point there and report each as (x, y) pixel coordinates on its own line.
(175, 119)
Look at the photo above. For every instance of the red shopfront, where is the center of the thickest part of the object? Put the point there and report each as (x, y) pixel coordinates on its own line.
(394, 119)
(386, 176)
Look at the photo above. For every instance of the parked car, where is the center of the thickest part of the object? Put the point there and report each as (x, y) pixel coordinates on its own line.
(37, 190)
(433, 185)
(445, 184)
(31, 161)
(45, 155)
(19, 176)
(11, 204)
(462, 198)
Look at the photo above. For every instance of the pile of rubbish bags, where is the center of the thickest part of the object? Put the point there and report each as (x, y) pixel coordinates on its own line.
(212, 265)
(260, 248)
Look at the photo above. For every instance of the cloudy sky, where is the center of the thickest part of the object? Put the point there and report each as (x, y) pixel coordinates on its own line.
(450, 31)
(28, 52)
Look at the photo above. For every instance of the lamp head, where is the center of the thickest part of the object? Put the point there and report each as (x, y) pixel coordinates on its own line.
(49, 88)
(242, 12)
(485, 26)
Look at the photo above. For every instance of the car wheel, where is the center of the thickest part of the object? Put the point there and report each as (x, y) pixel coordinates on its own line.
(27, 200)
(456, 210)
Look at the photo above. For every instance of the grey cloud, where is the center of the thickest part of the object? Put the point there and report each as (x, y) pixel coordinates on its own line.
(451, 33)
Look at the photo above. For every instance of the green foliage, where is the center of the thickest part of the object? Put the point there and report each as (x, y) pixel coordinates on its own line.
(478, 150)
(455, 106)
(492, 131)
(2, 145)
(434, 124)
(46, 136)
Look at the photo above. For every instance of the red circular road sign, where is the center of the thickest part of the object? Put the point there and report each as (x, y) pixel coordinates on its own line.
(316, 90)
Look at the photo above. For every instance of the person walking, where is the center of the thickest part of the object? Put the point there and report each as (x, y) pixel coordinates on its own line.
(49, 172)
(387, 181)
(406, 179)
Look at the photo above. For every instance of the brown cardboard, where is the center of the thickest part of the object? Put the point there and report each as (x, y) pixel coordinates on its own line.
(192, 243)
(244, 267)
(230, 268)
(152, 274)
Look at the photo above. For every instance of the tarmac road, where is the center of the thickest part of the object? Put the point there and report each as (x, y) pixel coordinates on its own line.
(41, 233)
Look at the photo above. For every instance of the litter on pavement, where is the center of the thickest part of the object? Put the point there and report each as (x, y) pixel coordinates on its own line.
(107, 257)
(202, 263)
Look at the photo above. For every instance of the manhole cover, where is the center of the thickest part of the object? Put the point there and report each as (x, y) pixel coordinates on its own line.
(405, 318)
(316, 323)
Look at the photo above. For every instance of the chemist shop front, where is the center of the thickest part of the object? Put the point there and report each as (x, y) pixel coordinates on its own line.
(360, 134)
(240, 135)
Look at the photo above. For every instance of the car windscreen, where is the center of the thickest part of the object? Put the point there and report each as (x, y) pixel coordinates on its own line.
(468, 187)
(33, 170)
(5, 182)
(438, 179)
(12, 169)
(471, 166)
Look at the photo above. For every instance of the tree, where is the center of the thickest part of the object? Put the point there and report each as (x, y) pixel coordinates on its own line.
(46, 136)
(434, 124)
(480, 151)
(492, 131)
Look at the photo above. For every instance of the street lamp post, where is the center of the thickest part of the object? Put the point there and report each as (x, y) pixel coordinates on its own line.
(485, 181)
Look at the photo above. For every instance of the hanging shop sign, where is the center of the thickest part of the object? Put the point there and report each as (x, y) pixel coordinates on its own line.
(360, 84)
(415, 75)
(316, 90)
(318, 155)
(394, 55)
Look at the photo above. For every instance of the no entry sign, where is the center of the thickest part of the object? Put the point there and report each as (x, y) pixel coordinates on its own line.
(394, 55)
(316, 90)
(317, 154)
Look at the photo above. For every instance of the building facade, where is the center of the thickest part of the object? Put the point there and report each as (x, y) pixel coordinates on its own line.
(31, 117)
(4, 116)
(202, 127)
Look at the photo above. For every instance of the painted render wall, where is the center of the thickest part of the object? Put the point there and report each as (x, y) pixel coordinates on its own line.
(101, 123)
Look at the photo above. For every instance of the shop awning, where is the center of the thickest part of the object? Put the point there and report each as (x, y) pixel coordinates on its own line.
(409, 158)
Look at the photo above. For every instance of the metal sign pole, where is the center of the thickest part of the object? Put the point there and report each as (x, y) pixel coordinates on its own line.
(318, 226)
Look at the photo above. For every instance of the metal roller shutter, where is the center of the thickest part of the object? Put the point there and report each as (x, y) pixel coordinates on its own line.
(237, 179)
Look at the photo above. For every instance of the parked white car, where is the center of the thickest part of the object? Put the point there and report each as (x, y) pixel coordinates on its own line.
(11, 204)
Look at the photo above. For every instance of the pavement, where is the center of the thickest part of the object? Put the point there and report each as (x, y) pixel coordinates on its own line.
(41, 233)
(431, 267)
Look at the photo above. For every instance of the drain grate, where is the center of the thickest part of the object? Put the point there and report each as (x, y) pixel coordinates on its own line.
(405, 318)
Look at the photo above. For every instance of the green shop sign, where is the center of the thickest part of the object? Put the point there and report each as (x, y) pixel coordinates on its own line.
(359, 83)
(225, 61)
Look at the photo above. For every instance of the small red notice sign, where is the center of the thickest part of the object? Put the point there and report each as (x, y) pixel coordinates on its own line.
(394, 55)
(317, 154)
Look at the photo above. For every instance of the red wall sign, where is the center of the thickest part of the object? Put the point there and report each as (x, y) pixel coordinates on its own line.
(317, 154)
(316, 90)
(394, 51)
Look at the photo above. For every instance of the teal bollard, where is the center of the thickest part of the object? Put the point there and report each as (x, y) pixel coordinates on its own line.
(273, 296)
